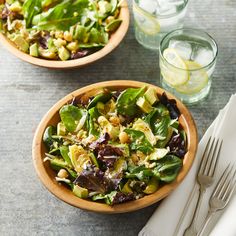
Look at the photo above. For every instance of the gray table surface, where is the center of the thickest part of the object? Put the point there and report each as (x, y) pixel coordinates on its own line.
(27, 92)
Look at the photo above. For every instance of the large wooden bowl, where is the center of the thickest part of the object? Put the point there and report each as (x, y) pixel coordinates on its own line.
(47, 175)
(114, 41)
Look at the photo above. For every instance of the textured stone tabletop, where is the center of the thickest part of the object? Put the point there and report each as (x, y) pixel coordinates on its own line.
(27, 92)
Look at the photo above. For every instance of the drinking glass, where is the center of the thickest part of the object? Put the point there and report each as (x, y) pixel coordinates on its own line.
(187, 60)
(154, 18)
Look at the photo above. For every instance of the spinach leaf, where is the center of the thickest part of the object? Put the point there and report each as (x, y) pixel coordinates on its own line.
(110, 197)
(61, 17)
(72, 117)
(168, 168)
(152, 117)
(102, 97)
(47, 136)
(92, 121)
(139, 141)
(161, 128)
(30, 9)
(140, 172)
(162, 110)
(126, 102)
(114, 197)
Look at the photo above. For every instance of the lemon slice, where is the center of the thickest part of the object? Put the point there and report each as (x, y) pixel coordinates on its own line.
(145, 21)
(198, 79)
(174, 76)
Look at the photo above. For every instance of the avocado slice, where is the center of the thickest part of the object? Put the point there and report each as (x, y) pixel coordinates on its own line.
(108, 127)
(144, 105)
(151, 96)
(126, 188)
(61, 129)
(34, 50)
(112, 26)
(63, 53)
(80, 192)
(64, 150)
(152, 186)
(21, 43)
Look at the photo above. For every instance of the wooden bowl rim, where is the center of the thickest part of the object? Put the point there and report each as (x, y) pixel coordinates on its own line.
(114, 41)
(67, 196)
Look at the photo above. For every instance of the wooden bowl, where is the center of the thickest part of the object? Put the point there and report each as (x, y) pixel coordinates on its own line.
(114, 41)
(47, 175)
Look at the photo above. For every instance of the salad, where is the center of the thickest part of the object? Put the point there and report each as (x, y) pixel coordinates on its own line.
(116, 146)
(59, 29)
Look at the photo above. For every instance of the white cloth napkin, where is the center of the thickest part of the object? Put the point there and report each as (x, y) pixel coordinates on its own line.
(165, 219)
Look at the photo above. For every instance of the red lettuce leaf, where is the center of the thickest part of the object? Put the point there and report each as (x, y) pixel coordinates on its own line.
(171, 106)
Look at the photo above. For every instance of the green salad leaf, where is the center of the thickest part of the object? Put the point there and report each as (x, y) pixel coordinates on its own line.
(47, 136)
(62, 16)
(139, 141)
(126, 102)
(92, 121)
(30, 9)
(140, 172)
(161, 127)
(108, 198)
(168, 168)
(102, 97)
(71, 117)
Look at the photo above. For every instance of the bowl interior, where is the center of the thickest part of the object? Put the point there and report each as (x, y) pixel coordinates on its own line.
(114, 41)
(47, 175)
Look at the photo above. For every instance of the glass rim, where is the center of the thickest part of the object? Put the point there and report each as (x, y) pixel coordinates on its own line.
(190, 29)
(162, 16)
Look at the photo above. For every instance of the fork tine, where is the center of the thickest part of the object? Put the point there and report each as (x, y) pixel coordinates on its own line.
(205, 155)
(215, 158)
(221, 181)
(210, 163)
(230, 188)
(210, 157)
(226, 184)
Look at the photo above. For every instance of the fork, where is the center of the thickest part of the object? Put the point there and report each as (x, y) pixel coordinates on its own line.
(221, 195)
(205, 178)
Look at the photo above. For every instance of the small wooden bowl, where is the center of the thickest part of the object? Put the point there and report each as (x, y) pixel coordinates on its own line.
(47, 175)
(114, 41)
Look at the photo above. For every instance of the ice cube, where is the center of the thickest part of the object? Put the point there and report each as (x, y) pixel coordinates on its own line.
(203, 56)
(175, 2)
(183, 48)
(148, 5)
(167, 7)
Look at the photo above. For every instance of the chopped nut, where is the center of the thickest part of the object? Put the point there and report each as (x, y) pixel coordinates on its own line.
(68, 36)
(114, 120)
(62, 174)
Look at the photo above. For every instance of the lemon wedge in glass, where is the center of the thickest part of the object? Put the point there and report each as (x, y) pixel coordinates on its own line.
(172, 75)
(198, 79)
(145, 21)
